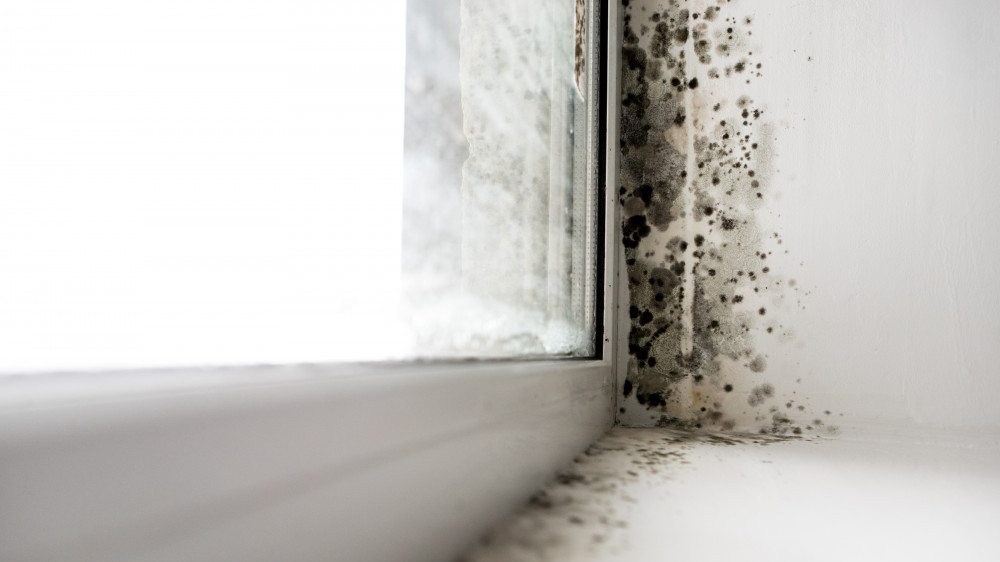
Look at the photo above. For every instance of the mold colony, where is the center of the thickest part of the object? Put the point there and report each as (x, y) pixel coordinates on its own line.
(694, 172)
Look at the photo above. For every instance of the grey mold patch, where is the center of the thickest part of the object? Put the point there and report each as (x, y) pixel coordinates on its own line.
(695, 171)
(579, 46)
(760, 394)
(652, 180)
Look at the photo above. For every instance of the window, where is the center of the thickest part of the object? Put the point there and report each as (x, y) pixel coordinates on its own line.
(500, 201)
(146, 146)
(194, 184)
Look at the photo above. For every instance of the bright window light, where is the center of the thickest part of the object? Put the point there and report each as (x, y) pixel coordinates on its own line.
(211, 183)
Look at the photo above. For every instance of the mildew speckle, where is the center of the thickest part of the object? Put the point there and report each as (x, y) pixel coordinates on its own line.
(696, 168)
(586, 507)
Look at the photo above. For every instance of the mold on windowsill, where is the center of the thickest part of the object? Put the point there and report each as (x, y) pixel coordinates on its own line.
(664, 494)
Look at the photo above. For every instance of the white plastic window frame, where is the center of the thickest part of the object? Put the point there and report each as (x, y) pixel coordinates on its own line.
(301, 462)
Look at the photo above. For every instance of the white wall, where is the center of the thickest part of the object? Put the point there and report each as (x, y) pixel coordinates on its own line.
(887, 197)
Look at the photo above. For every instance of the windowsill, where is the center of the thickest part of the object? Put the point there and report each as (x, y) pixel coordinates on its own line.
(61, 389)
(886, 494)
(294, 462)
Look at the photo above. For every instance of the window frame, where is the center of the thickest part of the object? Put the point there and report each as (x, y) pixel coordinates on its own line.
(355, 462)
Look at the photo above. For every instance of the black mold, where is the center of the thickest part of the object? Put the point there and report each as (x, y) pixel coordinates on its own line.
(698, 295)
(590, 498)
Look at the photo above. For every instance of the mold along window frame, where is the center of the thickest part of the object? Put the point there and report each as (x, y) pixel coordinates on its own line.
(301, 462)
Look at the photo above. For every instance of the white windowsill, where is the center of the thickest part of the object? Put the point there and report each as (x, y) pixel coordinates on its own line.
(412, 463)
(878, 493)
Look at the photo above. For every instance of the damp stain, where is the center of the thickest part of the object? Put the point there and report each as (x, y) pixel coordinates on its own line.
(696, 164)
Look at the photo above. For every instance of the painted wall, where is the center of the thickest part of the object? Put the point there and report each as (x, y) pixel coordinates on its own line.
(876, 165)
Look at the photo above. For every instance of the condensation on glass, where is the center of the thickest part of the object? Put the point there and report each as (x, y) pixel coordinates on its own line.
(500, 178)
(196, 182)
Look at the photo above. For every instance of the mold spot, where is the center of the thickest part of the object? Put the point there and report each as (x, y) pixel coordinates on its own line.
(760, 394)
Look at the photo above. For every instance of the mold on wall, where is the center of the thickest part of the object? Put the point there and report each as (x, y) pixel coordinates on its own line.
(696, 168)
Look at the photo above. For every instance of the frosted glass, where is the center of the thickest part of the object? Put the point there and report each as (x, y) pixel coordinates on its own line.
(495, 114)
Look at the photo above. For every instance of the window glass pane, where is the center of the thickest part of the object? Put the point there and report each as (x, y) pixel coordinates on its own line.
(208, 182)
(499, 203)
